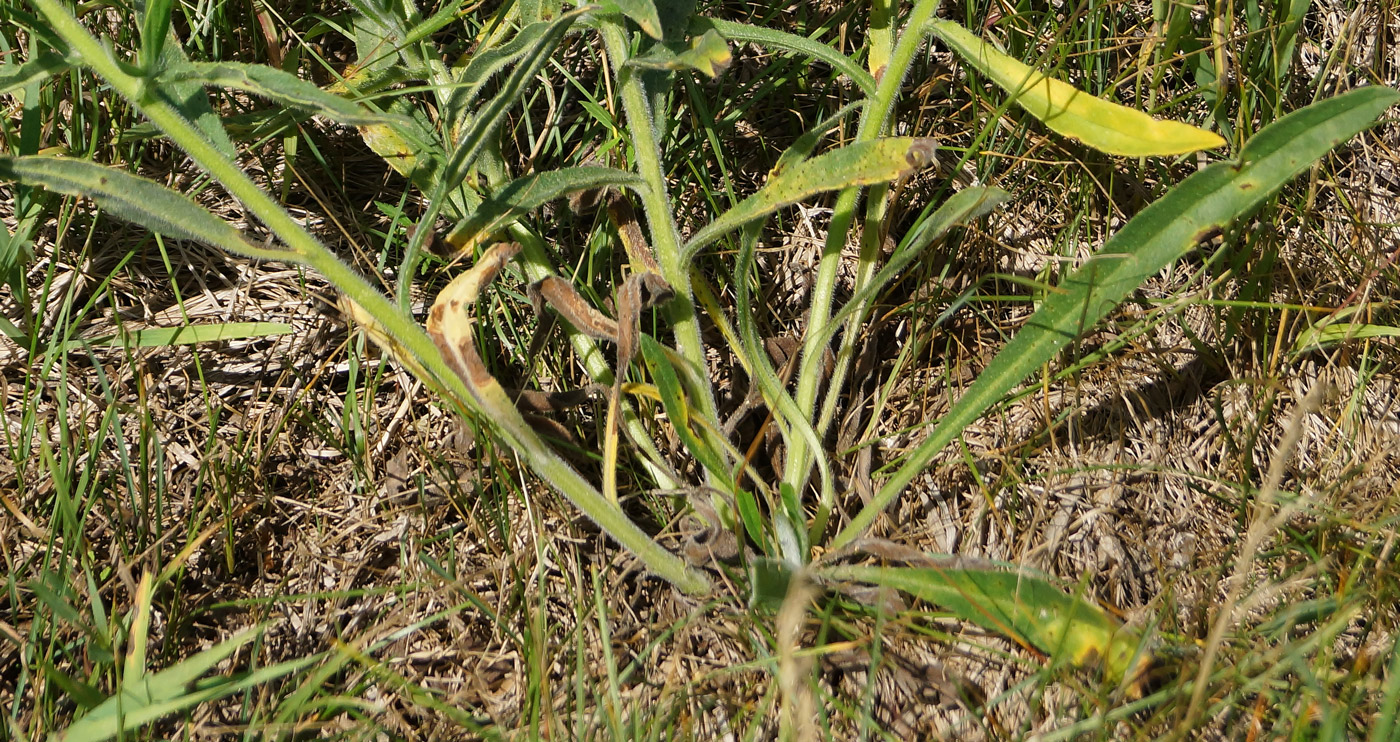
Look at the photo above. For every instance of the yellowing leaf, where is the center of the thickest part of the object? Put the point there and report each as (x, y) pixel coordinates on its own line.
(1107, 127)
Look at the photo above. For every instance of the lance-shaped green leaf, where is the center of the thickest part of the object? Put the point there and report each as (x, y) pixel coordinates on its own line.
(1021, 606)
(155, 30)
(668, 385)
(134, 199)
(707, 53)
(1321, 337)
(484, 64)
(277, 86)
(530, 192)
(769, 38)
(1107, 127)
(860, 164)
(1197, 208)
(16, 76)
(183, 686)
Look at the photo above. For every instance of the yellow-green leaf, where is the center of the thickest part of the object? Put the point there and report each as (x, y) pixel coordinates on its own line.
(1107, 127)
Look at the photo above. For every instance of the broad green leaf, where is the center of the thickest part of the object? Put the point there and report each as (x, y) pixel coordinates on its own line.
(1107, 127)
(781, 40)
(275, 85)
(769, 580)
(150, 697)
(861, 164)
(134, 199)
(189, 98)
(530, 192)
(15, 77)
(484, 64)
(1198, 207)
(707, 53)
(1018, 605)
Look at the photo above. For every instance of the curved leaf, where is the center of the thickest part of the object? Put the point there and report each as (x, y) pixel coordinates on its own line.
(1026, 608)
(135, 199)
(530, 192)
(1107, 127)
(769, 38)
(16, 76)
(1200, 206)
(860, 164)
(277, 86)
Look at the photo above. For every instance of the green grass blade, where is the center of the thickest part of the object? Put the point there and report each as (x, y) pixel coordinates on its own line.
(164, 337)
(668, 385)
(864, 163)
(17, 76)
(132, 198)
(277, 86)
(788, 42)
(530, 192)
(965, 206)
(1026, 608)
(1321, 337)
(155, 31)
(153, 696)
(1107, 127)
(1198, 207)
(1384, 729)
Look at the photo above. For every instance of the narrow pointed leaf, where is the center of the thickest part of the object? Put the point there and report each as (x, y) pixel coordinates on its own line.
(16, 76)
(673, 401)
(1107, 127)
(769, 38)
(163, 337)
(155, 29)
(132, 198)
(1198, 207)
(277, 86)
(861, 164)
(530, 192)
(1026, 608)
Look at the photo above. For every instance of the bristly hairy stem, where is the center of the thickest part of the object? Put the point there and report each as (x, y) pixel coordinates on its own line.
(873, 123)
(665, 237)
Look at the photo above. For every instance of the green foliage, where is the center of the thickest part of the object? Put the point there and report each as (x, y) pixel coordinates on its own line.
(454, 158)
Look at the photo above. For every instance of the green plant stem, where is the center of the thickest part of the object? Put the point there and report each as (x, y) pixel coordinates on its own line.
(656, 204)
(873, 122)
(303, 248)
